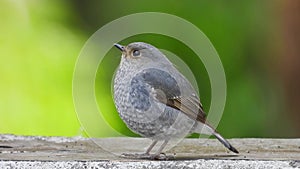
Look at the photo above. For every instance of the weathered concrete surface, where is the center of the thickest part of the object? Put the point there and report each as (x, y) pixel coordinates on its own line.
(77, 152)
(201, 164)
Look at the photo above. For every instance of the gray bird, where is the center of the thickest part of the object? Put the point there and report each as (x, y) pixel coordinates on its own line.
(155, 100)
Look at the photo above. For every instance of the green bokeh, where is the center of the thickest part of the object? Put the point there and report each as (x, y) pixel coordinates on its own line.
(38, 53)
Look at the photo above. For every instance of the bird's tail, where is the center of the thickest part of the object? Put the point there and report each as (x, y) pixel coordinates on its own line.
(208, 129)
(225, 142)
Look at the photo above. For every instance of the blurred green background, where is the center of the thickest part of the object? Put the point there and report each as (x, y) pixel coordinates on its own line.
(257, 41)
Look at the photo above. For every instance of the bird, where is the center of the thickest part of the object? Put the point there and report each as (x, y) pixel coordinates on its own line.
(155, 100)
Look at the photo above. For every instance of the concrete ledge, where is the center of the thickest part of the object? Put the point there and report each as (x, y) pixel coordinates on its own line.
(77, 152)
(201, 164)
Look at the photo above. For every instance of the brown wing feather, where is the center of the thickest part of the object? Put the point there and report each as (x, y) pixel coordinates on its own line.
(190, 105)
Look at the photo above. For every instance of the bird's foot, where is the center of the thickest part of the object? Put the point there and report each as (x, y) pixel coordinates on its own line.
(161, 156)
(136, 155)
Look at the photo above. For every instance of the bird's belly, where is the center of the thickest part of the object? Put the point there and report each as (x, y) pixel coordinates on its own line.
(159, 125)
(146, 116)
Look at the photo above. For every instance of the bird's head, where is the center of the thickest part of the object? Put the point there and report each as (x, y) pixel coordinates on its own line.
(141, 53)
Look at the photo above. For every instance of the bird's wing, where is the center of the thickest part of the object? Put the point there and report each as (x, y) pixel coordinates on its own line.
(167, 91)
(190, 106)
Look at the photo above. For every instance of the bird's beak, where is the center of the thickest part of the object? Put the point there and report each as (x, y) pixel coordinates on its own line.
(120, 47)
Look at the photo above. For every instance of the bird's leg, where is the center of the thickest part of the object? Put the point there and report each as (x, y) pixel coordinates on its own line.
(157, 155)
(151, 146)
(143, 155)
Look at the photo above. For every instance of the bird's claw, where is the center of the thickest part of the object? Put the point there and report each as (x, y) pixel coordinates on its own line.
(161, 156)
(136, 155)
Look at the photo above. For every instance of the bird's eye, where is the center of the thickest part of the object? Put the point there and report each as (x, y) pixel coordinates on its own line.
(136, 53)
